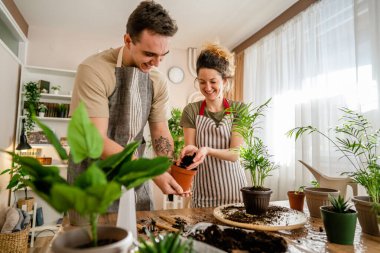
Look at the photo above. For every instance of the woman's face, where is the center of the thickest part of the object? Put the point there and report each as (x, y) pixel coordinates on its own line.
(211, 83)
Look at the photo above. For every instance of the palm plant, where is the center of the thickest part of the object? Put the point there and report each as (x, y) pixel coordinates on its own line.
(254, 154)
(357, 141)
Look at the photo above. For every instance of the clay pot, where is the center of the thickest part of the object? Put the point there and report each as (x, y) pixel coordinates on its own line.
(256, 201)
(317, 197)
(183, 176)
(296, 200)
(368, 218)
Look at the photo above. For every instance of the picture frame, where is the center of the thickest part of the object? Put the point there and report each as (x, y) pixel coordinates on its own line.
(44, 86)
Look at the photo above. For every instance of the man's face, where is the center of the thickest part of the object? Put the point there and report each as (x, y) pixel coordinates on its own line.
(147, 52)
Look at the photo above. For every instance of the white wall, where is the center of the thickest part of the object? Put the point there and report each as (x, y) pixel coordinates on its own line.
(9, 73)
(66, 49)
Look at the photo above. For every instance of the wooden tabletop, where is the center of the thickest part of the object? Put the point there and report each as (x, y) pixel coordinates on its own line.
(311, 238)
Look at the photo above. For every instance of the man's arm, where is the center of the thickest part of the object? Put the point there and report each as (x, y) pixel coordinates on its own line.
(163, 146)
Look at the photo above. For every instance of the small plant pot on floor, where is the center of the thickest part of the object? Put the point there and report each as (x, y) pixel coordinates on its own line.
(256, 201)
(183, 176)
(339, 227)
(368, 218)
(296, 200)
(111, 239)
(317, 197)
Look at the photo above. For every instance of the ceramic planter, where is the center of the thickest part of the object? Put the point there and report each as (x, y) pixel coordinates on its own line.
(317, 197)
(183, 176)
(71, 241)
(296, 200)
(340, 227)
(256, 201)
(367, 217)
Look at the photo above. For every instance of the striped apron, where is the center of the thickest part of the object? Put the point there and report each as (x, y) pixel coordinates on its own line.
(217, 182)
(129, 108)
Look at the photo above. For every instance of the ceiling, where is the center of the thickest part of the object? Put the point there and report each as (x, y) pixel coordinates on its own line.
(228, 21)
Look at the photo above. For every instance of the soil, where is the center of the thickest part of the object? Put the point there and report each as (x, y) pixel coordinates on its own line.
(186, 161)
(104, 242)
(179, 223)
(273, 216)
(231, 239)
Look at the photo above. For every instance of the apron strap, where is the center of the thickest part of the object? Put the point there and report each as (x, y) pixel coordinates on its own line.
(120, 57)
(203, 106)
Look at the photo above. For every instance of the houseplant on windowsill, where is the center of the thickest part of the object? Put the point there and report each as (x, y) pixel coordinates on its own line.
(339, 221)
(356, 139)
(254, 156)
(95, 189)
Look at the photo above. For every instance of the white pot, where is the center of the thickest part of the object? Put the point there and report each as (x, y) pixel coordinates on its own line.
(69, 241)
(55, 92)
(41, 114)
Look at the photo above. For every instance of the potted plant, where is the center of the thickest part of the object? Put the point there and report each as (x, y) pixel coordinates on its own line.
(297, 198)
(42, 108)
(32, 98)
(339, 221)
(17, 182)
(356, 139)
(95, 189)
(318, 196)
(61, 110)
(183, 177)
(254, 156)
(55, 89)
(168, 243)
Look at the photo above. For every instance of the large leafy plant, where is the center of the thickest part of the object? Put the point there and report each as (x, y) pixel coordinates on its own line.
(176, 131)
(254, 154)
(99, 185)
(32, 98)
(357, 141)
(17, 179)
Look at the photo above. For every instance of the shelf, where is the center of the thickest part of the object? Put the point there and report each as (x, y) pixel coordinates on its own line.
(50, 118)
(54, 227)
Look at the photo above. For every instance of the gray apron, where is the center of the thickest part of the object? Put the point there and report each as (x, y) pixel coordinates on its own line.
(129, 108)
(217, 181)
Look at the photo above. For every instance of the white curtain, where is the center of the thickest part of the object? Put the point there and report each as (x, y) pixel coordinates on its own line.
(325, 58)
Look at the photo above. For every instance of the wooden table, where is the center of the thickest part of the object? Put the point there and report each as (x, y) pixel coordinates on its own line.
(311, 238)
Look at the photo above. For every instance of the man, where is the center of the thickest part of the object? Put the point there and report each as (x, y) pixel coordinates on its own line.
(122, 90)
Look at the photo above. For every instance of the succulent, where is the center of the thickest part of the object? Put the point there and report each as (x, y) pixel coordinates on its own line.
(169, 243)
(339, 205)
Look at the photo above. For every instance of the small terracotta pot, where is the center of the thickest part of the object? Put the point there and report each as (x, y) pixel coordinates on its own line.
(256, 201)
(367, 216)
(296, 200)
(183, 176)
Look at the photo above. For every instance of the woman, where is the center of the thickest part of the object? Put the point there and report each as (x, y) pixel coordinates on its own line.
(208, 133)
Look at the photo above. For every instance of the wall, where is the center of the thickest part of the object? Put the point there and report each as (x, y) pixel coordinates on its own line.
(66, 49)
(9, 72)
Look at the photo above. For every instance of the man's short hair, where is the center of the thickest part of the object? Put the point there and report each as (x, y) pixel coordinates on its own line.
(153, 17)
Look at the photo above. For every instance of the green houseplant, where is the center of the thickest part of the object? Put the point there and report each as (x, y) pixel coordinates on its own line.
(254, 155)
(339, 221)
(168, 243)
(99, 185)
(297, 198)
(356, 139)
(32, 98)
(55, 89)
(42, 108)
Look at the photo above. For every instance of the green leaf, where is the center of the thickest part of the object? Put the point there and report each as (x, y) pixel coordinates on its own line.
(52, 138)
(5, 171)
(83, 137)
(92, 176)
(65, 197)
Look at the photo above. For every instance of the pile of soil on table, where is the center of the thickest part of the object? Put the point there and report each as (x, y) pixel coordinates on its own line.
(231, 239)
(273, 216)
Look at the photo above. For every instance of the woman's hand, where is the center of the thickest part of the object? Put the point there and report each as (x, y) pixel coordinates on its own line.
(199, 158)
(188, 150)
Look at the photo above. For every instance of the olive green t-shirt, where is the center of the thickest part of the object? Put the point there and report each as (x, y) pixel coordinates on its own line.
(191, 111)
(95, 81)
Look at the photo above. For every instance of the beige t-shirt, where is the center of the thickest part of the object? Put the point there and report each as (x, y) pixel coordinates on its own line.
(95, 81)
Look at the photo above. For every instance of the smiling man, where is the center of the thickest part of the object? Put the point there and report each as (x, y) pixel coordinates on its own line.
(123, 90)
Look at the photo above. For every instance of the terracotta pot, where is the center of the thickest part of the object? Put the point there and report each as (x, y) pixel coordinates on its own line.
(71, 241)
(183, 176)
(256, 201)
(339, 227)
(296, 200)
(367, 216)
(317, 197)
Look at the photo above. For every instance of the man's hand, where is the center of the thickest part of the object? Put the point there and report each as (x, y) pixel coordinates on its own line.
(168, 185)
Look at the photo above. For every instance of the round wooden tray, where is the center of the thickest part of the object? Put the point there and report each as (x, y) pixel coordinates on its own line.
(288, 218)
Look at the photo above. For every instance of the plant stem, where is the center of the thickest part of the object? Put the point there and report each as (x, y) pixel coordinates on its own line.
(94, 229)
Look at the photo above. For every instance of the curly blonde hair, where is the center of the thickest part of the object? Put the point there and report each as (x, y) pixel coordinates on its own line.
(215, 56)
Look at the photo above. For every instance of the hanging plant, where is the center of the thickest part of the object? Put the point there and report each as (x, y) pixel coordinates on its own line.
(32, 98)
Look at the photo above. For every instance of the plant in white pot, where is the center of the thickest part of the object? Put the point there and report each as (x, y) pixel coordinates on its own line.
(356, 139)
(95, 189)
(42, 108)
(55, 89)
(254, 156)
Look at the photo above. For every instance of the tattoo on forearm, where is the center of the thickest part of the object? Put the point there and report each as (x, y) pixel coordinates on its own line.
(163, 147)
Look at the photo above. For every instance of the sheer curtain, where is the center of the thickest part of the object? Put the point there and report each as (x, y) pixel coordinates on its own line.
(325, 58)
